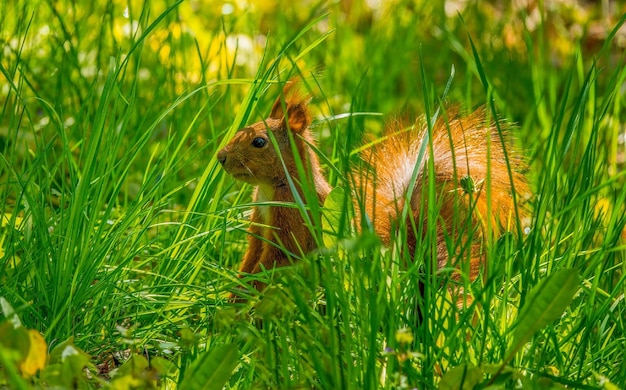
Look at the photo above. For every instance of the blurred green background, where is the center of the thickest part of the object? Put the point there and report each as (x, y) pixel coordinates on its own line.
(59, 53)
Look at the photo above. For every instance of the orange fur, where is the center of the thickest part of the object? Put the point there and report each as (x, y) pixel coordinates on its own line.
(261, 166)
(460, 148)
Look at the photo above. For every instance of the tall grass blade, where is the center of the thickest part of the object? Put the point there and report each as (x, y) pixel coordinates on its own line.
(545, 303)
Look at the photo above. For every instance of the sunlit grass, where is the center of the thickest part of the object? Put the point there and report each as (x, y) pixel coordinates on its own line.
(120, 230)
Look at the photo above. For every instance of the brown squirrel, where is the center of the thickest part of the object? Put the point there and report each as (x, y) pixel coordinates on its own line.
(467, 154)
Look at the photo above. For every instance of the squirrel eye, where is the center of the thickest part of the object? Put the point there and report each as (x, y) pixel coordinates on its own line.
(259, 142)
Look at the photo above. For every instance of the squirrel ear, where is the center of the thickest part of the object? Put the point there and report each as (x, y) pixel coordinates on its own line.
(297, 112)
(297, 116)
(290, 93)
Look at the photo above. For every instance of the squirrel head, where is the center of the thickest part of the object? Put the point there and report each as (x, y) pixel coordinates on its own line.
(250, 156)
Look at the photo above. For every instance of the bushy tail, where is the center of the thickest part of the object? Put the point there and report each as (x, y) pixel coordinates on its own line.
(477, 177)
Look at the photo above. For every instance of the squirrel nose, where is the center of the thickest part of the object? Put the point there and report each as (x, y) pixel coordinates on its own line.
(221, 157)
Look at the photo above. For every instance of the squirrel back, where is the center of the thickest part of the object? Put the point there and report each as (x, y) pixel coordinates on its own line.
(475, 173)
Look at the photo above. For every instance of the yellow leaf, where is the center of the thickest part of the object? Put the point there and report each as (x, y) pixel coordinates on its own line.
(37, 354)
(404, 336)
(126, 382)
(6, 220)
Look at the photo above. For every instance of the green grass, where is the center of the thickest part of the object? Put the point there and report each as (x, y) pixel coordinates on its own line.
(121, 235)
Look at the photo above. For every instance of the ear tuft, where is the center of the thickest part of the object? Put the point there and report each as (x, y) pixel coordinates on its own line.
(297, 118)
